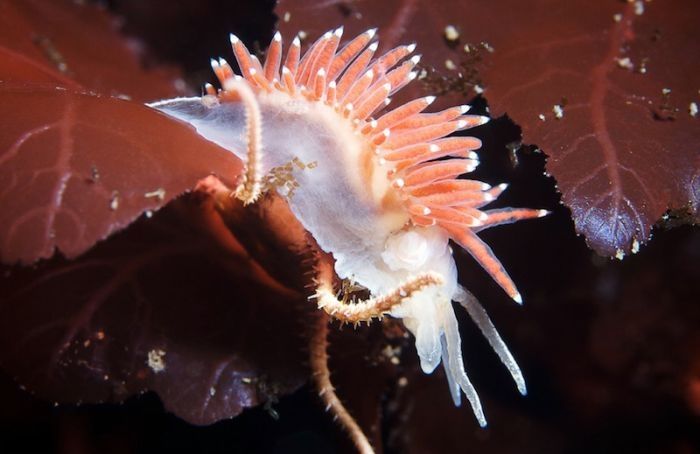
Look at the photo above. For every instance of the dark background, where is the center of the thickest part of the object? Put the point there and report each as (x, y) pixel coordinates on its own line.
(610, 349)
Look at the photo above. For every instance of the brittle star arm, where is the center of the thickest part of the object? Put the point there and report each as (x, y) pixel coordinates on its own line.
(350, 313)
(250, 187)
(318, 352)
(366, 310)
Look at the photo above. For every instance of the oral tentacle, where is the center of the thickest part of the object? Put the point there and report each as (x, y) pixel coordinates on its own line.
(482, 320)
(455, 367)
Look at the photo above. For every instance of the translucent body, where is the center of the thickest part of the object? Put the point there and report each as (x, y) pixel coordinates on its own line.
(354, 220)
(386, 214)
(349, 207)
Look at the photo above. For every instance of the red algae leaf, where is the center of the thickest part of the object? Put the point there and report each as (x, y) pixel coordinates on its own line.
(171, 304)
(76, 168)
(625, 149)
(73, 45)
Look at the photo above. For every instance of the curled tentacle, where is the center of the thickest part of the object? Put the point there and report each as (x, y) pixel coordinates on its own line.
(365, 311)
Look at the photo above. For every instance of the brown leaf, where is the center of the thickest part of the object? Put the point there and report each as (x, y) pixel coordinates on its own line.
(76, 168)
(172, 304)
(624, 151)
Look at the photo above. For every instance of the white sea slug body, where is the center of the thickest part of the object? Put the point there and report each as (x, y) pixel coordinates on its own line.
(377, 198)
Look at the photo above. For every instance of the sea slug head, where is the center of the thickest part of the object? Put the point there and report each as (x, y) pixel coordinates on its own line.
(418, 250)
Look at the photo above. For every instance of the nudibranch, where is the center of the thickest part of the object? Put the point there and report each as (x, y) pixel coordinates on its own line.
(379, 190)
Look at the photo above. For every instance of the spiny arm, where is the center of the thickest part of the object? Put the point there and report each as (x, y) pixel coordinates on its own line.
(250, 187)
(318, 352)
(368, 309)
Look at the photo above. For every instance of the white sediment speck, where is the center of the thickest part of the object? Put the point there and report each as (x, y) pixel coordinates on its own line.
(625, 63)
(451, 33)
(157, 194)
(156, 360)
(558, 111)
(635, 246)
(693, 109)
(114, 201)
